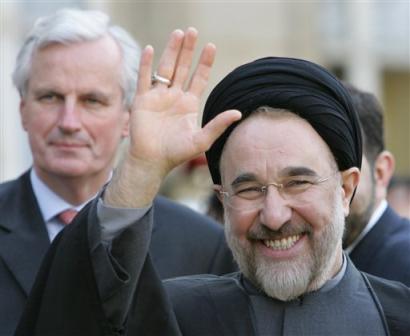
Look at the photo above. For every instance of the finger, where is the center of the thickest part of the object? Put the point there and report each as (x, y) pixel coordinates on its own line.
(145, 70)
(166, 65)
(214, 129)
(185, 58)
(200, 78)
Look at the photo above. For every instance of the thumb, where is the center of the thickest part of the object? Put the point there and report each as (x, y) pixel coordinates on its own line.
(214, 128)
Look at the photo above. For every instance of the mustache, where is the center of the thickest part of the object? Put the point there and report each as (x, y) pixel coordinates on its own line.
(262, 232)
(75, 138)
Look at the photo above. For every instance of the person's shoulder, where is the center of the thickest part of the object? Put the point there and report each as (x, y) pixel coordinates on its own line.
(198, 290)
(168, 210)
(396, 241)
(404, 224)
(395, 289)
(392, 234)
(14, 196)
(12, 188)
(200, 282)
(199, 301)
(7, 187)
(165, 204)
(394, 222)
(395, 300)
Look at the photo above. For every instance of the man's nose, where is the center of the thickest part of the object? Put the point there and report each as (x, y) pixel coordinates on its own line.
(70, 119)
(275, 210)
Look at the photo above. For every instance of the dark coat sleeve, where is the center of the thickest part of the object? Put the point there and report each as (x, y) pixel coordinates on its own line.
(185, 242)
(65, 299)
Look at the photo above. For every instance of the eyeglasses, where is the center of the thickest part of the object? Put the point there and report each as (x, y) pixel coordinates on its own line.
(251, 195)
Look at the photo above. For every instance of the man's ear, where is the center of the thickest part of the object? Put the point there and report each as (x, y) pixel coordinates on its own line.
(350, 180)
(383, 172)
(217, 188)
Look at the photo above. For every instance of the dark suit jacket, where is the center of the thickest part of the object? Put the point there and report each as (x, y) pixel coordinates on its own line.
(385, 250)
(183, 242)
(65, 300)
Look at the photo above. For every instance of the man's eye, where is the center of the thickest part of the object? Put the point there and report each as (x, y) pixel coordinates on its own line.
(92, 101)
(49, 97)
(251, 191)
(297, 183)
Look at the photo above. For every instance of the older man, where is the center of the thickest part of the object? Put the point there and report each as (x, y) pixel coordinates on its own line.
(286, 174)
(76, 75)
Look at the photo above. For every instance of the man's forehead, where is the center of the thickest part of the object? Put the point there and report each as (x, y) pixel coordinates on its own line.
(101, 54)
(270, 147)
(104, 41)
(247, 171)
(86, 74)
(283, 132)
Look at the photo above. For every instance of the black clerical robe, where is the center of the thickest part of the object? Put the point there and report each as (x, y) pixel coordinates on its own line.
(229, 305)
(66, 299)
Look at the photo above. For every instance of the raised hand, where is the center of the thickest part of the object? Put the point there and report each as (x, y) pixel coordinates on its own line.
(164, 123)
(164, 128)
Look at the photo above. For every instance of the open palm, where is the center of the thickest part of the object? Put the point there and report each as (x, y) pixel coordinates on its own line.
(164, 126)
(164, 130)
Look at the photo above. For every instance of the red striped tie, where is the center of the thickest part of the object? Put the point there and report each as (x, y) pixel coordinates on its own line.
(67, 216)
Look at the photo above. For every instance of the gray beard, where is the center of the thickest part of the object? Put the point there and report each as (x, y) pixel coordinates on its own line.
(287, 280)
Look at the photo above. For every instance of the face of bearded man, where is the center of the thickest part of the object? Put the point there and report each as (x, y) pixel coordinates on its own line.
(285, 244)
(287, 279)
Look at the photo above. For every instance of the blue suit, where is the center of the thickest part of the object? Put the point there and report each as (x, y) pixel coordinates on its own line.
(385, 250)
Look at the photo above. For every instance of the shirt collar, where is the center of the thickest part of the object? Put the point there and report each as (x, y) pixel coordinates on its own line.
(372, 222)
(332, 283)
(49, 202)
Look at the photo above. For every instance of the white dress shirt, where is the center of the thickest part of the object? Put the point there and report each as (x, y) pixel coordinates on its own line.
(51, 205)
(112, 220)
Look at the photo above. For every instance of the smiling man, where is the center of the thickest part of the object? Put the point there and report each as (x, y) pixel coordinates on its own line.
(282, 244)
(285, 168)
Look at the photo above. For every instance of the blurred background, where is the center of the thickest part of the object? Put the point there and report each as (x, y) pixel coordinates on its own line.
(364, 42)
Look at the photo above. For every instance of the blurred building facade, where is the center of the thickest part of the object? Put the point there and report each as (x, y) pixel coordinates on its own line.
(364, 42)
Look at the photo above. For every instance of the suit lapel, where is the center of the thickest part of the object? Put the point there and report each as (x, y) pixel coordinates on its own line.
(362, 255)
(23, 238)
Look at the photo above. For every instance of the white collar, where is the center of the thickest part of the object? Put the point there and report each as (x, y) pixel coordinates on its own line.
(49, 202)
(372, 222)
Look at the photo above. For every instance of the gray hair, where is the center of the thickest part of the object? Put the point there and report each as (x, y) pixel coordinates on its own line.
(69, 26)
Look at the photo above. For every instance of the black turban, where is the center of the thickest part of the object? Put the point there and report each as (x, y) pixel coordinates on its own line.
(299, 86)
